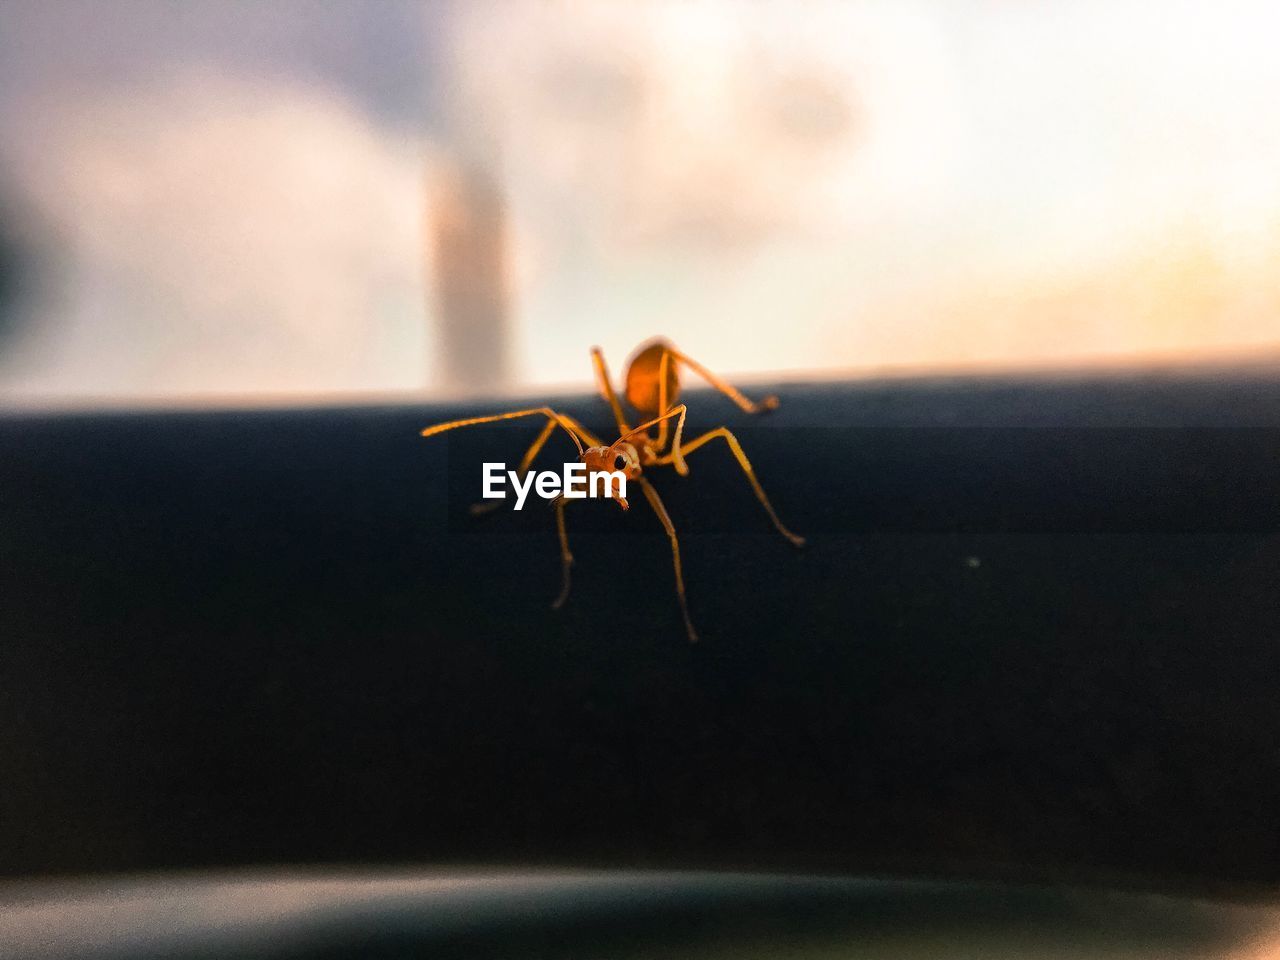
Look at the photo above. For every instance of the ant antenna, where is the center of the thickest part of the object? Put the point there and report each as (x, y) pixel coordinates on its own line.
(472, 421)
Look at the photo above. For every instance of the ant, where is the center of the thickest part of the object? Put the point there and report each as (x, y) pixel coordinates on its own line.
(652, 386)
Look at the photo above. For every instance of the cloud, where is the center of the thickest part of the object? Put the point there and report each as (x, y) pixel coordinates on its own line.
(221, 234)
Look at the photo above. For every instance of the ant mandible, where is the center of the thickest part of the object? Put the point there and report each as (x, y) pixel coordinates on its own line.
(652, 386)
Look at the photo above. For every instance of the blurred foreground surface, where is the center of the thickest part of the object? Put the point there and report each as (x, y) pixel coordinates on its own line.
(396, 914)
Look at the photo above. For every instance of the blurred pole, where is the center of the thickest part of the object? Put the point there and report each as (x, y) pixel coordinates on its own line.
(467, 235)
(467, 230)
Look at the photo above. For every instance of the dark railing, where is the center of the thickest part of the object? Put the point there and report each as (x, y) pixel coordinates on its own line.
(1035, 632)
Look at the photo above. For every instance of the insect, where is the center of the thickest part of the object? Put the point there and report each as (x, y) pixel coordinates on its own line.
(651, 386)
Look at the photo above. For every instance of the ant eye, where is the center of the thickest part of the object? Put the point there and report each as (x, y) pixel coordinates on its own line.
(619, 462)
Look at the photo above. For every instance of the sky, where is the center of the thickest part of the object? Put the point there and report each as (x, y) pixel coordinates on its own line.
(222, 199)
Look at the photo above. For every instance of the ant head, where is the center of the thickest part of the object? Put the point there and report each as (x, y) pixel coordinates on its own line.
(620, 457)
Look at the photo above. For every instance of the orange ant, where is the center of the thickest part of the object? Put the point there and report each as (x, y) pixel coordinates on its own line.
(652, 387)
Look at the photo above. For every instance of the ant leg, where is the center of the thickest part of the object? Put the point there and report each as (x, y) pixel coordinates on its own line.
(606, 389)
(656, 502)
(675, 457)
(566, 558)
(743, 462)
(583, 432)
(664, 370)
(554, 419)
(767, 403)
(547, 412)
(488, 506)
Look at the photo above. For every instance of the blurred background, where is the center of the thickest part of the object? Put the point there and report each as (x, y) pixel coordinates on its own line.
(228, 200)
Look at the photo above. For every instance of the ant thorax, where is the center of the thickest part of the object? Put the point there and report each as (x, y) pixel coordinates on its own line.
(643, 448)
(639, 455)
